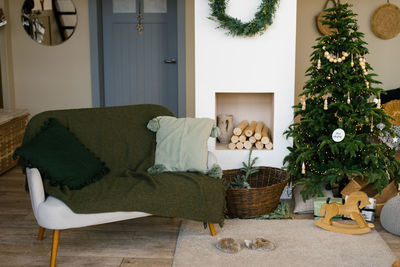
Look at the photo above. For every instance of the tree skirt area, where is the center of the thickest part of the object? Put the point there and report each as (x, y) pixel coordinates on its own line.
(298, 243)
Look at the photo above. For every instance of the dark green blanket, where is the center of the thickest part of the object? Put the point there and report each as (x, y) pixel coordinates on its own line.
(119, 137)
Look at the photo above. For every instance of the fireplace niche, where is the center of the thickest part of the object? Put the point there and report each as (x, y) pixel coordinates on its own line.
(246, 106)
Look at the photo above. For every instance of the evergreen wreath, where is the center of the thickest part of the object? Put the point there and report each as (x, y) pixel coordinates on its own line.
(236, 27)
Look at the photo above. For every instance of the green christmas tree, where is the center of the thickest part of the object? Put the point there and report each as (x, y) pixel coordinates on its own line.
(341, 99)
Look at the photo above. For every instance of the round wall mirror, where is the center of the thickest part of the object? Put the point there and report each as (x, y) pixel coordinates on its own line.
(49, 22)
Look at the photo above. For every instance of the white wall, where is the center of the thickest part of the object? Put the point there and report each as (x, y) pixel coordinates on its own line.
(263, 63)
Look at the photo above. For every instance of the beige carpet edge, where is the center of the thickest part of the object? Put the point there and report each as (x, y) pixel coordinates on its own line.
(299, 242)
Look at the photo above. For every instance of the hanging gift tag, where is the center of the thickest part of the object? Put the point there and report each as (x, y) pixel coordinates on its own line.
(338, 135)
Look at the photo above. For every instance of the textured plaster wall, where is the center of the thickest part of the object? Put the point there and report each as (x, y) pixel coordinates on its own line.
(56, 77)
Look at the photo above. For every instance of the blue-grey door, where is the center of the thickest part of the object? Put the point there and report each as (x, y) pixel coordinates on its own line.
(140, 68)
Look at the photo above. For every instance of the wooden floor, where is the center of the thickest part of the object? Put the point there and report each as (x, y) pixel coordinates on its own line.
(146, 241)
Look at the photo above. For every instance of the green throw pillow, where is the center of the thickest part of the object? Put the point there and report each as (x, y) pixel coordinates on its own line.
(61, 157)
(182, 144)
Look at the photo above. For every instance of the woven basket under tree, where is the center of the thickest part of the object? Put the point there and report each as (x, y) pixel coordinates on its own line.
(253, 191)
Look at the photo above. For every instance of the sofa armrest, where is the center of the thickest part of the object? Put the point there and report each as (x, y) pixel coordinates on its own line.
(36, 189)
(211, 160)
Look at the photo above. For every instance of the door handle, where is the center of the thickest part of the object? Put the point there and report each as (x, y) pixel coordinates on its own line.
(170, 61)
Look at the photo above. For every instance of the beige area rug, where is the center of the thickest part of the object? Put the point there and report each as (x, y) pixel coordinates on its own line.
(299, 243)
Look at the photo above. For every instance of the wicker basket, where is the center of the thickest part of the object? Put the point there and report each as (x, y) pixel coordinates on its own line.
(392, 109)
(263, 196)
(12, 129)
(385, 22)
(324, 29)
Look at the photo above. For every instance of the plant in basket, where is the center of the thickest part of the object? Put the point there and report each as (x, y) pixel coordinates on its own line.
(253, 191)
(240, 181)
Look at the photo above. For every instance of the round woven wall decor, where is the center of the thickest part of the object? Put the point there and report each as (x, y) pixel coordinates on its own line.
(323, 28)
(392, 108)
(385, 22)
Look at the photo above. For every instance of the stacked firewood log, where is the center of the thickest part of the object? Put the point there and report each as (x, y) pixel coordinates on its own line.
(246, 135)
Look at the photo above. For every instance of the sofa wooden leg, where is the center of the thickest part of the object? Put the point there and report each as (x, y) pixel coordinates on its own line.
(56, 237)
(212, 229)
(41, 233)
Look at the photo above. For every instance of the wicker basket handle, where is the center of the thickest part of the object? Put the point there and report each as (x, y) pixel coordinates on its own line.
(335, 3)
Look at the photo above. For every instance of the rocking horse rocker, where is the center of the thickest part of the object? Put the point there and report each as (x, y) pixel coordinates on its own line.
(354, 203)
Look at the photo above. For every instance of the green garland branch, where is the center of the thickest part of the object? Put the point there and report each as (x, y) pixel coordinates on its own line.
(236, 27)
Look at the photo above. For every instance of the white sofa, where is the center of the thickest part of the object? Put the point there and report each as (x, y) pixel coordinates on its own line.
(51, 213)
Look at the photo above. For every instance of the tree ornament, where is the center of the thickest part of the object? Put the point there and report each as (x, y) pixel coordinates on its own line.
(348, 97)
(325, 97)
(363, 65)
(303, 168)
(338, 135)
(336, 58)
(352, 61)
(303, 102)
(372, 124)
(367, 84)
(387, 173)
(319, 64)
(236, 27)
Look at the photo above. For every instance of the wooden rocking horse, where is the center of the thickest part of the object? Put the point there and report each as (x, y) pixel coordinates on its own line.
(355, 202)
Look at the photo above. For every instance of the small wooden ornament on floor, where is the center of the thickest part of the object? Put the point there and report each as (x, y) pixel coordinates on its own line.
(351, 209)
